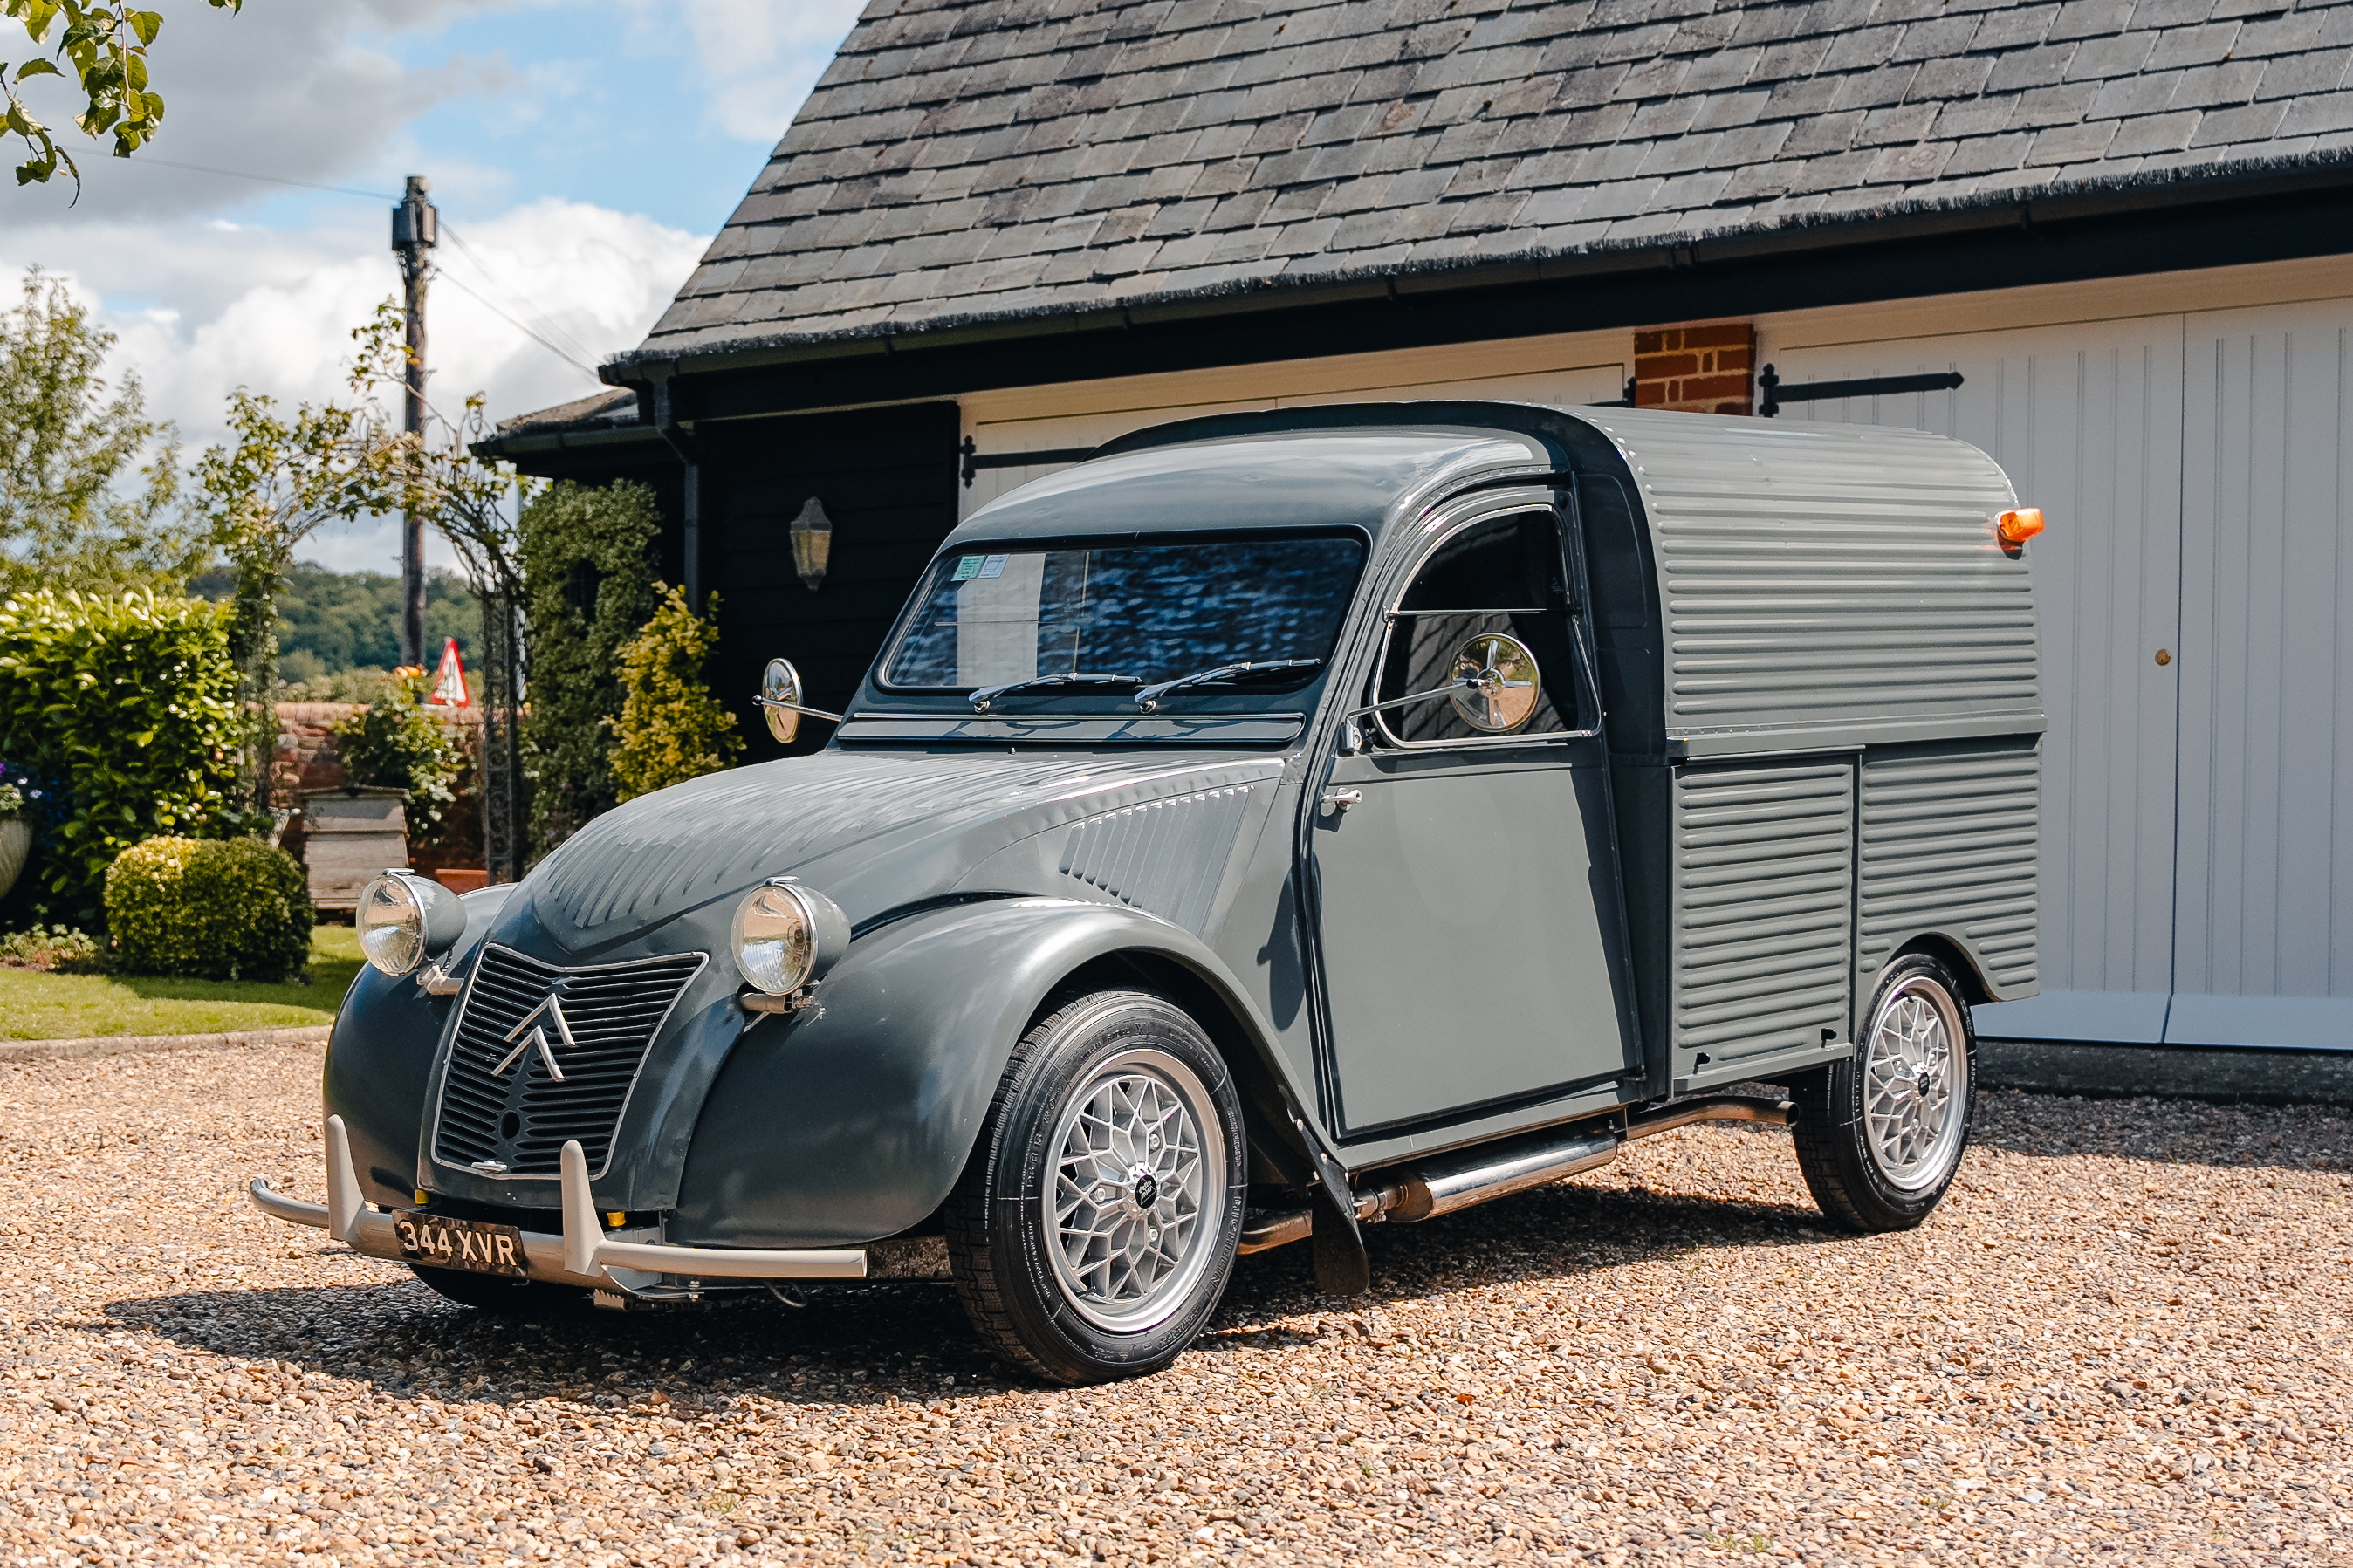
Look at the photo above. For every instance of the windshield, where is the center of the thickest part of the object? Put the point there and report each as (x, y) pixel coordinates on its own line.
(1153, 611)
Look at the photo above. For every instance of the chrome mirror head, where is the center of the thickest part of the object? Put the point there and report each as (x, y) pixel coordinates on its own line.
(780, 699)
(1497, 684)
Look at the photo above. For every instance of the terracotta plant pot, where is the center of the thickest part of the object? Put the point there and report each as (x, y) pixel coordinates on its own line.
(15, 844)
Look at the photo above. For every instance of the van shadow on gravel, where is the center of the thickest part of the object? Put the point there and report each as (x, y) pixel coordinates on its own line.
(869, 1344)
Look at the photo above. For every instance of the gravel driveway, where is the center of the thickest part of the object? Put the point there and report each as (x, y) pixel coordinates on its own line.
(2126, 1334)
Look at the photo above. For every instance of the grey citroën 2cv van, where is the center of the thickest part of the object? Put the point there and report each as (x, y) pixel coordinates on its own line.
(1275, 826)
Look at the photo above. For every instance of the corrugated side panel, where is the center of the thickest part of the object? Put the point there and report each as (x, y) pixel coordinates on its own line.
(1164, 856)
(1764, 899)
(1815, 573)
(1950, 841)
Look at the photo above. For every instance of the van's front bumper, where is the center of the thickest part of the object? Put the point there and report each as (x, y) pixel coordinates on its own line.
(581, 1255)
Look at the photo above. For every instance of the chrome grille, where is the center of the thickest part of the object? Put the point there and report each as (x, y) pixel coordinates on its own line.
(521, 1118)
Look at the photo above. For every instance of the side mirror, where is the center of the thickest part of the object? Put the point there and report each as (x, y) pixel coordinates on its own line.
(780, 701)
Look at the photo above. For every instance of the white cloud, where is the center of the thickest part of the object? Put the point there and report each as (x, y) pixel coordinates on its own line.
(300, 91)
(200, 312)
(760, 57)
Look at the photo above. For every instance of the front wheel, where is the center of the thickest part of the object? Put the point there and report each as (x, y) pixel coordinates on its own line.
(1095, 1228)
(1880, 1135)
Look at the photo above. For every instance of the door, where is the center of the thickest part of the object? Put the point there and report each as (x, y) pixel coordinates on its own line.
(1460, 854)
(2087, 420)
(2263, 901)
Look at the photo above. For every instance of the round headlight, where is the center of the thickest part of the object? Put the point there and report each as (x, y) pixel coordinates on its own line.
(786, 935)
(405, 919)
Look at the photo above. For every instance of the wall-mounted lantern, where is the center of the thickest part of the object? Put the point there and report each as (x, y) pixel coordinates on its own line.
(812, 542)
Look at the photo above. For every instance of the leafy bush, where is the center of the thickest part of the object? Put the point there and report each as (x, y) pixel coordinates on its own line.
(589, 569)
(61, 948)
(231, 909)
(128, 702)
(671, 728)
(396, 743)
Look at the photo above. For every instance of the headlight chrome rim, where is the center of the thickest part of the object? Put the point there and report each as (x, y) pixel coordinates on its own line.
(785, 935)
(405, 921)
(391, 922)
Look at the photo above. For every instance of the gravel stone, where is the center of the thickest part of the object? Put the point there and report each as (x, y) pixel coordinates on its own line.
(2124, 1336)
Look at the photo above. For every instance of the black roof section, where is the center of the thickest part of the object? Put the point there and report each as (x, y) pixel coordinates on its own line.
(999, 166)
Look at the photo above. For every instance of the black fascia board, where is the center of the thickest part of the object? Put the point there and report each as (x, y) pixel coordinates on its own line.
(525, 444)
(1959, 262)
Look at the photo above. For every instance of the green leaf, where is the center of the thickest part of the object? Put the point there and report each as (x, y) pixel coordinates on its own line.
(37, 67)
(146, 24)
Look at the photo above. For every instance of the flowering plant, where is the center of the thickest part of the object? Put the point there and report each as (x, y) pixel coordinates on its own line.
(12, 795)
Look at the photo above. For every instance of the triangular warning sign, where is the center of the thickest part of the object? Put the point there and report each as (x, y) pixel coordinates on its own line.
(449, 680)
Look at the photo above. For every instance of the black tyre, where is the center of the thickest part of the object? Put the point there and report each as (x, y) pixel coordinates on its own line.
(1095, 1228)
(495, 1293)
(1880, 1136)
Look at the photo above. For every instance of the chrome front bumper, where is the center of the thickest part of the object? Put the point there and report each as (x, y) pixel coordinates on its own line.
(581, 1255)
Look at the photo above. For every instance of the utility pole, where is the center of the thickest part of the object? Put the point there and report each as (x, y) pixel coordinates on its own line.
(413, 222)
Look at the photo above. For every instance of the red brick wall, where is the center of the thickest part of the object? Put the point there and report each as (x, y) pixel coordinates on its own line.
(1698, 370)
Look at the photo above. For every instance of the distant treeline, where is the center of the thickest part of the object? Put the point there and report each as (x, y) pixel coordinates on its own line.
(332, 622)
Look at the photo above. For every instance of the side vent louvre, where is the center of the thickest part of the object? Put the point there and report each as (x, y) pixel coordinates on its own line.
(1764, 895)
(1950, 841)
(1164, 856)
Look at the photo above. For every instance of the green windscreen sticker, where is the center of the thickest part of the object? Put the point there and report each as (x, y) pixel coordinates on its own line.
(967, 567)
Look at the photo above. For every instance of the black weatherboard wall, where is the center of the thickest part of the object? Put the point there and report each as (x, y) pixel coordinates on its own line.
(888, 480)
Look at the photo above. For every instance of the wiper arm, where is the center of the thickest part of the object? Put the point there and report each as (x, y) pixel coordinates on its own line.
(985, 698)
(1148, 699)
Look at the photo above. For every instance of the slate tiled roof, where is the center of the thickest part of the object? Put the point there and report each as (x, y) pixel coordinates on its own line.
(969, 161)
(611, 409)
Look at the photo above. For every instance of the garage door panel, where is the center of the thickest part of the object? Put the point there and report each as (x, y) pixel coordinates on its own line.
(2262, 907)
(2087, 420)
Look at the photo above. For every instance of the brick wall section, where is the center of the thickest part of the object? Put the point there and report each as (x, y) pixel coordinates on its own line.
(307, 760)
(1698, 370)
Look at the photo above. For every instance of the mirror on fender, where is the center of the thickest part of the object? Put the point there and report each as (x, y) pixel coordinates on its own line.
(780, 701)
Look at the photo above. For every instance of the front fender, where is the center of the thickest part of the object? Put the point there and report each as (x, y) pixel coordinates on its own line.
(380, 1057)
(851, 1119)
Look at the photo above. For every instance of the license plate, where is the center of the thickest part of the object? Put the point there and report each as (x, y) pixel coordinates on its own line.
(470, 1244)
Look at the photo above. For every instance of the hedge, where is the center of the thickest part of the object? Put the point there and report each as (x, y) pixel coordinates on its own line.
(588, 574)
(130, 702)
(214, 909)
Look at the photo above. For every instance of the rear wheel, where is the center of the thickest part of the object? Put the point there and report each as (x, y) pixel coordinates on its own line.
(1095, 1228)
(496, 1293)
(1881, 1135)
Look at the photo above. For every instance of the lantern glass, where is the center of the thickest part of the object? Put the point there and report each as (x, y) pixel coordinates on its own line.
(812, 534)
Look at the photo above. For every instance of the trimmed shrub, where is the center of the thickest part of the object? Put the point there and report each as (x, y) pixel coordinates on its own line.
(128, 702)
(588, 574)
(220, 909)
(671, 728)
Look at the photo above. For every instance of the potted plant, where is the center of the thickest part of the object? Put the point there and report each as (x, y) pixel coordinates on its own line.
(15, 832)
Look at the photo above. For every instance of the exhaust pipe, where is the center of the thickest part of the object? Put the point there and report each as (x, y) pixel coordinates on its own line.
(1449, 1184)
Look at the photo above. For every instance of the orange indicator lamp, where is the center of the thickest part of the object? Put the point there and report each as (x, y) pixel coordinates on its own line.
(2018, 527)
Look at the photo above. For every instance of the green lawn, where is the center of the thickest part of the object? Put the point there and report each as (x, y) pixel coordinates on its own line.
(39, 1006)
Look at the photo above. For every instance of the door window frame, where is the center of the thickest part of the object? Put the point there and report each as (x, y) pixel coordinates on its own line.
(1559, 505)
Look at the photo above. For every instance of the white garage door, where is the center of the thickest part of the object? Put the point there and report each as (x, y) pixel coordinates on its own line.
(2195, 473)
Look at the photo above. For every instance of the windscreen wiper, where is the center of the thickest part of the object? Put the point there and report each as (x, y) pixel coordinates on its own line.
(1148, 699)
(985, 698)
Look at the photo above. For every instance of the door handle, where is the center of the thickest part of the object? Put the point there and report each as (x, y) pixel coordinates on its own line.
(1340, 800)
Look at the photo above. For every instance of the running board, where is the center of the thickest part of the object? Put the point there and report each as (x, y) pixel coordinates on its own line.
(1450, 1183)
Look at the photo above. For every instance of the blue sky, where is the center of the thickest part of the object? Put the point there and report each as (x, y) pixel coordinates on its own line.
(586, 152)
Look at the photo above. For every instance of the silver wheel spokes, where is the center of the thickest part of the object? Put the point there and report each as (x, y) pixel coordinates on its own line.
(1913, 1081)
(1128, 1193)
